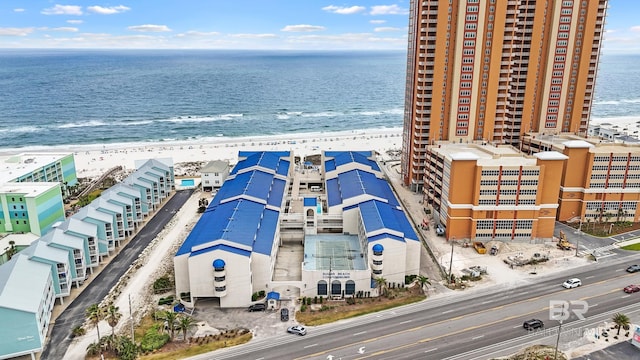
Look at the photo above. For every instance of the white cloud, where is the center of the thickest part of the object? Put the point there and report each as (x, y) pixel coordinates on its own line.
(75, 22)
(65, 29)
(386, 29)
(344, 10)
(302, 28)
(635, 28)
(254, 36)
(197, 34)
(18, 10)
(388, 10)
(15, 31)
(149, 28)
(107, 10)
(377, 21)
(348, 41)
(63, 10)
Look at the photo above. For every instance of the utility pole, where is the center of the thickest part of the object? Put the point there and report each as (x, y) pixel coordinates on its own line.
(579, 236)
(133, 334)
(329, 284)
(555, 354)
(451, 261)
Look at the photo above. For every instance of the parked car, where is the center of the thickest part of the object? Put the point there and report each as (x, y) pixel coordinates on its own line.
(633, 268)
(298, 330)
(631, 289)
(533, 324)
(284, 314)
(258, 307)
(572, 283)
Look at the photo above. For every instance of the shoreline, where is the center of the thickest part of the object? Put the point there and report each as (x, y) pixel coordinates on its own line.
(93, 160)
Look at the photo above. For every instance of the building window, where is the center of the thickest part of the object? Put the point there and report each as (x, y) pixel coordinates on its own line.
(322, 287)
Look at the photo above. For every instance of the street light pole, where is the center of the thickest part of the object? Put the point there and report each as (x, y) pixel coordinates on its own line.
(451, 261)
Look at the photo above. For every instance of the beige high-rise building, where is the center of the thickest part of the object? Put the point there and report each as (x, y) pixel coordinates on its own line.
(493, 70)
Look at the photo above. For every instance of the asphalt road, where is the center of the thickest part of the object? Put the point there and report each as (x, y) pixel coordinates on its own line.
(74, 314)
(475, 325)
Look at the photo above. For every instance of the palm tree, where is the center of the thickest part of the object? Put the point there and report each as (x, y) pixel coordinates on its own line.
(12, 249)
(171, 320)
(94, 314)
(184, 324)
(113, 316)
(621, 320)
(423, 280)
(380, 283)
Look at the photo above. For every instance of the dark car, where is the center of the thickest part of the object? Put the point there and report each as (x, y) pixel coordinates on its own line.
(258, 307)
(633, 268)
(533, 324)
(631, 289)
(284, 314)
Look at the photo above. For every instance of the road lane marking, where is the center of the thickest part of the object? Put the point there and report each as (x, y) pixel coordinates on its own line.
(360, 333)
(477, 337)
(405, 322)
(619, 270)
(625, 296)
(320, 353)
(517, 326)
(430, 350)
(590, 277)
(487, 302)
(312, 345)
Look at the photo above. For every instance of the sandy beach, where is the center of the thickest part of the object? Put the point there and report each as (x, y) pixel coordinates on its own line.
(94, 160)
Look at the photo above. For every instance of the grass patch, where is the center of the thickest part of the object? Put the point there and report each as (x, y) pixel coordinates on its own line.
(145, 324)
(312, 318)
(194, 350)
(634, 247)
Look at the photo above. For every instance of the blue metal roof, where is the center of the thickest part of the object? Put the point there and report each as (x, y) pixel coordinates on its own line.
(238, 214)
(276, 192)
(379, 216)
(266, 233)
(265, 159)
(334, 197)
(310, 201)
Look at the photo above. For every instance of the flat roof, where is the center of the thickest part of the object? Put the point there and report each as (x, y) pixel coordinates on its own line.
(27, 189)
(15, 166)
(485, 154)
(333, 252)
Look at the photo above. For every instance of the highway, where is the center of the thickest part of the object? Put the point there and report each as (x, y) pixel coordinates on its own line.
(478, 324)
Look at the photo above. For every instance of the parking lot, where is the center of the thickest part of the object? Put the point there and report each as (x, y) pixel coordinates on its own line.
(260, 323)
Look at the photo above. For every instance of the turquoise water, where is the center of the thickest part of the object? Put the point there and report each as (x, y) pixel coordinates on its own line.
(187, 182)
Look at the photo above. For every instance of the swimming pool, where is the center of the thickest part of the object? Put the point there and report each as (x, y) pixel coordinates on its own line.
(187, 182)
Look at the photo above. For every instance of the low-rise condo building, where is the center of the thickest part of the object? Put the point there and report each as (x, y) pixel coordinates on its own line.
(30, 207)
(341, 225)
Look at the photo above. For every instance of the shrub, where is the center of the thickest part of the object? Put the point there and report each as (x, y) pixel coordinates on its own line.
(262, 293)
(153, 339)
(162, 284)
(303, 308)
(351, 301)
(315, 300)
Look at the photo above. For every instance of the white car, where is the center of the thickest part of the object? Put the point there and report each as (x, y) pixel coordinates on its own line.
(572, 283)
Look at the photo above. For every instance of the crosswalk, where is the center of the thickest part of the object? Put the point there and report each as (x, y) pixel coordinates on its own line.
(600, 252)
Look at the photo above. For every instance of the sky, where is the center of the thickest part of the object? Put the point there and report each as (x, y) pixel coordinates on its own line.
(239, 24)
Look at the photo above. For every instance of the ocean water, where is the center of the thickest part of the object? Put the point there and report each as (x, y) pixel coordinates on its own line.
(58, 98)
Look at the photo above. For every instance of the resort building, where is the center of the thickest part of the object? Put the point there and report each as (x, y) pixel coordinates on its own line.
(600, 181)
(30, 207)
(213, 174)
(334, 240)
(34, 272)
(483, 192)
(37, 167)
(494, 70)
(27, 298)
